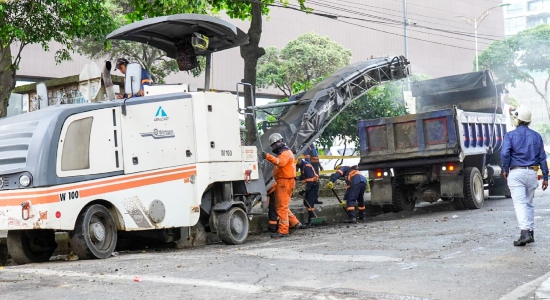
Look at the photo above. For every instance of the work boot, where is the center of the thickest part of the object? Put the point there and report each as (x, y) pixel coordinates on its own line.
(278, 235)
(524, 238)
(272, 228)
(351, 220)
(298, 226)
(532, 232)
(361, 218)
(318, 202)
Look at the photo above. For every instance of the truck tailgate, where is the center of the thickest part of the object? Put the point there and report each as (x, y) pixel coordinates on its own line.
(406, 137)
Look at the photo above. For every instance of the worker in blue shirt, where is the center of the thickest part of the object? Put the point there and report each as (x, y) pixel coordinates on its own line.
(312, 156)
(356, 183)
(522, 154)
(121, 64)
(311, 192)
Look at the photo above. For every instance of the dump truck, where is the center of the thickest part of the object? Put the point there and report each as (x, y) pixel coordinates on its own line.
(449, 150)
(153, 166)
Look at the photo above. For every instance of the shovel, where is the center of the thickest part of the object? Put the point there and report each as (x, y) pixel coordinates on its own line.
(337, 197)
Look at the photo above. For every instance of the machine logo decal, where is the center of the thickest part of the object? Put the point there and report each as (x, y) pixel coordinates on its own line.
(161, 115)
(160, 133)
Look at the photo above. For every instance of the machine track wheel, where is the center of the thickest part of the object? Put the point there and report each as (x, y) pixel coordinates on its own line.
(94, 234)
(473, 188)
(31, 246)
(233, 226)
(400, 201)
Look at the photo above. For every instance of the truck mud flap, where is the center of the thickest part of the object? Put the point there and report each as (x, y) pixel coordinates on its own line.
(452, 186)
(381, 193)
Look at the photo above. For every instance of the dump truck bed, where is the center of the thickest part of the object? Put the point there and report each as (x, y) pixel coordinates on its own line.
(448, 134)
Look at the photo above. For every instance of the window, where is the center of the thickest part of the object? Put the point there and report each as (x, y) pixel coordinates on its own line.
(76, 145)
(515, 8)
(534, 5)
(536, 20)
(514, 24)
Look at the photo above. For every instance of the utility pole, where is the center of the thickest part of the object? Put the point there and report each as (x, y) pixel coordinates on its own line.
(405, 24)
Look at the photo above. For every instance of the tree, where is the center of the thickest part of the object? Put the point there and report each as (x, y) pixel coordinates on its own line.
(42, 21)
(152, 59)
(252, 10)
(544, 130)
(302, 60)
(516, 58)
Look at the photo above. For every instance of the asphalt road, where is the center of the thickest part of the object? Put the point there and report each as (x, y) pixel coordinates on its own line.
(431, 253)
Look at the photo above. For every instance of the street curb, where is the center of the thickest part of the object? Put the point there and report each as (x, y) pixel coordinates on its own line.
(543, 290)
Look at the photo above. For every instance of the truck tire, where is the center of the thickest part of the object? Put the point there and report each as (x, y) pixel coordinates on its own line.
(458, 204)
(473, 188)
(95, 233)
(233, 226)
(400, 201)
(31, 246)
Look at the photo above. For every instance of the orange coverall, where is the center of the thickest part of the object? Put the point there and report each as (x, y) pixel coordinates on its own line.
(284, 174)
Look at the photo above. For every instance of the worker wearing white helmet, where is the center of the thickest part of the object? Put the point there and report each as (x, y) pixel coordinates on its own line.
(284, 174)
(522, 154)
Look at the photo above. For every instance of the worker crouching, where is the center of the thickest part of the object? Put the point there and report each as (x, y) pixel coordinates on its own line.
(356, 186)
(311, 192)
(284, 174)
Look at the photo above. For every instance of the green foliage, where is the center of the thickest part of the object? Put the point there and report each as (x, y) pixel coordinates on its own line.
(302, 61)
(380, 101)
(517, 57)
(42, 21)
(544, 130)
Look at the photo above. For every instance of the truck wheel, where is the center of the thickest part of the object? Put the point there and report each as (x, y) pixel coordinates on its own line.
(31, 246)
(400, 201)
(508, 196)
(457, 204)
(95, 233)
(473, 188)
(233, 226)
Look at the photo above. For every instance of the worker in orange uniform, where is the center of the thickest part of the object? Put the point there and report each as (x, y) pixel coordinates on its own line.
(284, 174)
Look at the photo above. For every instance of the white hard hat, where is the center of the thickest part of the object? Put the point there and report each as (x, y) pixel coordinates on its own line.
(275, 137)
(522, 113)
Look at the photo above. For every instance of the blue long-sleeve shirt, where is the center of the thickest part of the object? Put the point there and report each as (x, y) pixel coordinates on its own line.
(523, 147)
(345, 172)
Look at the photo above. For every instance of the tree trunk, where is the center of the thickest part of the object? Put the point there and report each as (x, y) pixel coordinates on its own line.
(7, 79)
(250, 53)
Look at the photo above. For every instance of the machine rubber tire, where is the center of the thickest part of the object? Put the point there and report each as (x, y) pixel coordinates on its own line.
(233, 226)
(400, 202)
(508, 196)
(31, 246)
(473, 188)
(88, 244)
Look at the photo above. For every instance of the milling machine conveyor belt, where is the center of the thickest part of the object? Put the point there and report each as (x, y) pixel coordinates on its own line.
(308, 114)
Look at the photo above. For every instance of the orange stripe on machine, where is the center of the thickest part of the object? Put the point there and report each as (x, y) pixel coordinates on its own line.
(98, 187)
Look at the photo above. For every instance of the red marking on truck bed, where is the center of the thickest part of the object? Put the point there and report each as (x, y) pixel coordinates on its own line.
(98, 187)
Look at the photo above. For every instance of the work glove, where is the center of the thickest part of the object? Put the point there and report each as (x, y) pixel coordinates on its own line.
(301, 193)
(264, 155)
(330, 185)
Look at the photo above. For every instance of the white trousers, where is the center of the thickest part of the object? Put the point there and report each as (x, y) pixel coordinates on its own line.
(522, 184)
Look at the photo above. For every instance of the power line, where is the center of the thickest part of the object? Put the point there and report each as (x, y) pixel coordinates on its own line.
(409, 13)
(400, 23)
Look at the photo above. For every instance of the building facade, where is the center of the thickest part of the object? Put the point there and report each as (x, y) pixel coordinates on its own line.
(439, 43)
(524, 14)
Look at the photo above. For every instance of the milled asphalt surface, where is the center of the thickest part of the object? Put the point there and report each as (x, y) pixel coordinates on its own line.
(431, 253)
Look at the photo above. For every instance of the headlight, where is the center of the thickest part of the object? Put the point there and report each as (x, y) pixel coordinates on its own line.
(24, 180)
